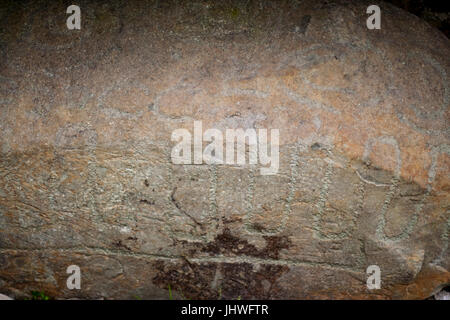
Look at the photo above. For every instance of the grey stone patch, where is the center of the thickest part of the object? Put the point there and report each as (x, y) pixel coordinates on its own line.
(4, 297)
(442, 295)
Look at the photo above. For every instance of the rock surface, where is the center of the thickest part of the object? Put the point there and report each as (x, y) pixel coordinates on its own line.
(3, 297)
(442, 295)
(86, 176)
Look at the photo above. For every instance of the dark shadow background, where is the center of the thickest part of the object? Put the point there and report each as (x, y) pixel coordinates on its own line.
(435, 12)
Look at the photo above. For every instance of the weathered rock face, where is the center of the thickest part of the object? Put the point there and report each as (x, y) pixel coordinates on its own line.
(86, 176)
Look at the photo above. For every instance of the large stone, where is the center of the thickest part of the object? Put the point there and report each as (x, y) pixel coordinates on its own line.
(86, 176)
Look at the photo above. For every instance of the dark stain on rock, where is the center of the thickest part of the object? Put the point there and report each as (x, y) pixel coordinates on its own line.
(257, 227)
(304, 23)
(316, 146)
(226, 244)
(249, 282)
(244, 280)
(118, 244)
(193, 281)
(149, 202)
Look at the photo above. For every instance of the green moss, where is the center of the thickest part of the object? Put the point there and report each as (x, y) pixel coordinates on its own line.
(38, 295)
(170, 293)
(234, 12)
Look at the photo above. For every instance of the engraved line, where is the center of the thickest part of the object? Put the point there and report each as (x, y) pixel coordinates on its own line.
(198, 260)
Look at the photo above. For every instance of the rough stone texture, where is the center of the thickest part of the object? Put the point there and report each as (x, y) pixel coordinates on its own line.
(85, 170)
(3, 297)
(442, 295)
